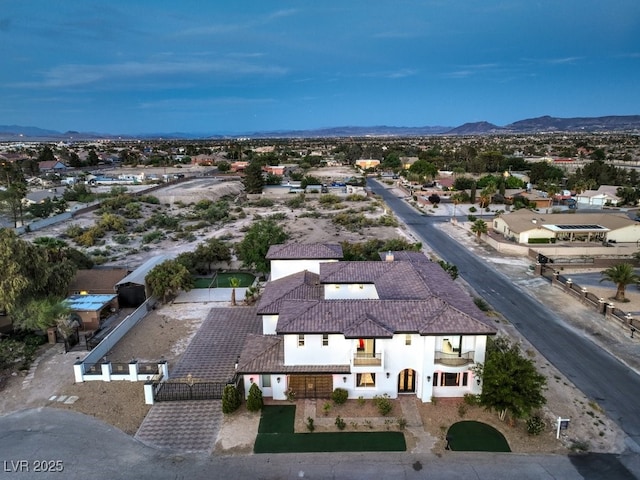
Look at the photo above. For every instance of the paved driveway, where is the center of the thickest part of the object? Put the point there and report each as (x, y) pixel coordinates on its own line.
(193, 426)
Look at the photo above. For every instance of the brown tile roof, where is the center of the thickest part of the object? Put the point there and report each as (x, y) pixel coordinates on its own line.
(265, 354)
(376, 318)
(97, 280)
(299, 251)
(301, 285)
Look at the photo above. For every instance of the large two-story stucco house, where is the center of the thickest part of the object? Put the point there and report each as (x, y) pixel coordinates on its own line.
(395, 326)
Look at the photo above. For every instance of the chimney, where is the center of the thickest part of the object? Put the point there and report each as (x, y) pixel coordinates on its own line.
(389, 257)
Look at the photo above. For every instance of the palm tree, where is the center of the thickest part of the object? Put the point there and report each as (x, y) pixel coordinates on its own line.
(622, 275)
(235, 283)
(479, 227)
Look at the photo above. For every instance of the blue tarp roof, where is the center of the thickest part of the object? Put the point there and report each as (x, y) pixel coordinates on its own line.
(89, 303)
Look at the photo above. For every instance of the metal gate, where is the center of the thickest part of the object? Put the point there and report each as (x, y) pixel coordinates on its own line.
(311, 386)
(177, 391)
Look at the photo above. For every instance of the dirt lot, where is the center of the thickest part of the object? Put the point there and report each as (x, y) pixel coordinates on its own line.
(167, 331)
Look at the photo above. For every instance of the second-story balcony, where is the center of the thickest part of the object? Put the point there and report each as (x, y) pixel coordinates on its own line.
(454, 359)
(367, 359)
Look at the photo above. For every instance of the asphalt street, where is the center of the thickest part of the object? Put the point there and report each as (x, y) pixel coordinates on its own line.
(597, 373)
(60, 444)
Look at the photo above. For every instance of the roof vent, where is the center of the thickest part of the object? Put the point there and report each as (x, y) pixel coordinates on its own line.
(389, 257)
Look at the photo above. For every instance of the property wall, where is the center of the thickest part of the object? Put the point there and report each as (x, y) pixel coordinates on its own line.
(334, 291)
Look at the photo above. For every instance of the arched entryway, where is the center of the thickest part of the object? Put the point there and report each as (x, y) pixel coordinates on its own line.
(407, 381)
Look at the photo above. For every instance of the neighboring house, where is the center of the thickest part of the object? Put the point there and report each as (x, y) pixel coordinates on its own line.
(274, 169)
(96, 280)
(605, 195)
(399, 326)
(52, 166)
(524, 225)
(365, 164)
(239, 166)
(534, 198)
(407, 162)
(40, 196)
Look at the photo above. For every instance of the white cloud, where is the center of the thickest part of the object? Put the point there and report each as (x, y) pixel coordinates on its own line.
(70, 75)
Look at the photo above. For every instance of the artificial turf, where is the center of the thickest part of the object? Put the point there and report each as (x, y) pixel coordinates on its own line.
(470, 436)
(275, 435)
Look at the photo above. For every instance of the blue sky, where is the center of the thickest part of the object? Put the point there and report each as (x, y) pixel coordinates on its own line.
(131, 67)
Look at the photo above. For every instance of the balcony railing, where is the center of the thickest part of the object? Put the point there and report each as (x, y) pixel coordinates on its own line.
(454, 359)
(364, 359)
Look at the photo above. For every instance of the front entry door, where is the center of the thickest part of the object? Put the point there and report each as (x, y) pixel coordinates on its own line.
(407, 381)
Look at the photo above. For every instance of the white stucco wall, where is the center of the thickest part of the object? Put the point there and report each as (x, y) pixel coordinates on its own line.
(314, 353)
(397, 356)
(282, 268)
(269, 324)
(335, 291)
(629, 234)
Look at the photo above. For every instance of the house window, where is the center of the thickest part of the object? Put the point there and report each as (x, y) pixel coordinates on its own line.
(301, 340)
(447, 379)
(407, 339)
(366, 379)
(266, 381)
(325, 339)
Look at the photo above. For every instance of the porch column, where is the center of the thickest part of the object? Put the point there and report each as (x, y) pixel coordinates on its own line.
(163, 368)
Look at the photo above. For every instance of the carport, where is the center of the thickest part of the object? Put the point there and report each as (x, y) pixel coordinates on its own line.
(132, 289)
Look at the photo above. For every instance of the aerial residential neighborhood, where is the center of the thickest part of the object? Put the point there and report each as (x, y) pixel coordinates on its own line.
(321, 319)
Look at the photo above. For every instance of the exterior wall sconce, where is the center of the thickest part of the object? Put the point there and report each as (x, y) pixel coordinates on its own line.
(278, 379)
(428, 378)
(344, 379)
(250, 379)
(478, 380)
(388, 374)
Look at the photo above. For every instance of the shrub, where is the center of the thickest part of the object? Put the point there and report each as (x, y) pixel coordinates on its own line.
(472, 218)
(264, 202)
(340, 423)
(254, 400)
(310, 426)
(230, 399)
(339, 396)
(402, 423)
(535, 425)
(383, 403)
(361, 401)
(326, 408)
(473, 209)
(471, 399)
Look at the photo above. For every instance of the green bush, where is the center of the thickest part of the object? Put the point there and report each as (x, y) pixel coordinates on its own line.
(535, 425)
(339, 396)
(254, 400)
(383, 403)
(230, 399)
(340, 423)
(310, 426)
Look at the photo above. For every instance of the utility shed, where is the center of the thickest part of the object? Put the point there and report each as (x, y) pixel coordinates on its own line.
(91, 310)
(132, 289)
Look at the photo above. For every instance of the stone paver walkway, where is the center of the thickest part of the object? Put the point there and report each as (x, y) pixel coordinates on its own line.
(193, 426)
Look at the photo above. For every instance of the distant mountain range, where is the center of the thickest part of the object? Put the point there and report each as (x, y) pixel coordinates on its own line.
(546, 124)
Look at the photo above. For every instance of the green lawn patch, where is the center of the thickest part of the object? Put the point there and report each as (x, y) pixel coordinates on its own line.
(470, 436)
(277, 419)
(275, 435)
